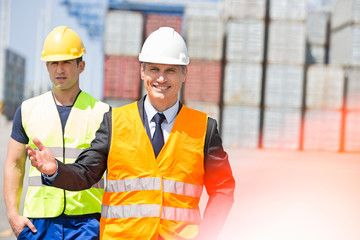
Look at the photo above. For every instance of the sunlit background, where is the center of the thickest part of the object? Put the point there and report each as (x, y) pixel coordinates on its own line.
(281, 77)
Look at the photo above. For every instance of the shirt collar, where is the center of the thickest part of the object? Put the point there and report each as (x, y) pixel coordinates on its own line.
(169, 113)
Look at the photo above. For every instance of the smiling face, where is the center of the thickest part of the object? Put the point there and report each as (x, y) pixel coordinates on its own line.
(64, 75)
(163, 83)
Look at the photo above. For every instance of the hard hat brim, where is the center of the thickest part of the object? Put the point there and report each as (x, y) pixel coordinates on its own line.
(55, 58)
(163, 60)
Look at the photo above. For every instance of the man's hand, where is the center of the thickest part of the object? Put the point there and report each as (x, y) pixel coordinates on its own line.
(18, 223)
(42, 159)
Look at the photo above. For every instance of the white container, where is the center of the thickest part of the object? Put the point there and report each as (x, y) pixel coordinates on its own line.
(353, 89)
(240, 126)
(317, 27)
(204, 38)
(315, 54)
(345, 46)
(245, 40)
(242, 83)
(252, 9)
(294, 10)
(281, 128)
(345, 12)
(204, 9)
(123, 33)
(352, 131)
(284, 86)
(211, 109)
(322, 130)
(287, 42)
(325, 87)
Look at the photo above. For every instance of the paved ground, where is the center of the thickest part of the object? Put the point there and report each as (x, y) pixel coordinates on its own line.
(280, 195)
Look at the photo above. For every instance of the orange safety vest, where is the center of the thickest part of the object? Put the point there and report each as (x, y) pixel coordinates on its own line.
(146, 196)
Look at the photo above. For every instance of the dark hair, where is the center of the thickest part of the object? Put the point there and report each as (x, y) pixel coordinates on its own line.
(78, 60)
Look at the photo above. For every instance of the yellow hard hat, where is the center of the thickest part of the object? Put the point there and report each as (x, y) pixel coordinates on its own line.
(62, 44)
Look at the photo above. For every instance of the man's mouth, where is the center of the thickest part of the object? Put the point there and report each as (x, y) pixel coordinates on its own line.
(161, 88)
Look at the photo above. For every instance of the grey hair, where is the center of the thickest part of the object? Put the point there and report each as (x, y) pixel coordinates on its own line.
(182, 67)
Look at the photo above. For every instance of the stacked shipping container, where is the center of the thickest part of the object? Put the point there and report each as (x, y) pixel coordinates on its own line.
(244, 56)
(284, 74)
(204, 37)
(233, 82)
(122, 43)
(324, 103)
(14, 83)
(345, 51)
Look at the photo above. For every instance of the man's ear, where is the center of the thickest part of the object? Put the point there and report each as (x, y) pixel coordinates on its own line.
(142, 71)
(81, 66)
(185, 74)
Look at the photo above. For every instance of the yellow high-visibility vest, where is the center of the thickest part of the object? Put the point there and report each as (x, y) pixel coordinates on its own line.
(40, 119)
(146, 196)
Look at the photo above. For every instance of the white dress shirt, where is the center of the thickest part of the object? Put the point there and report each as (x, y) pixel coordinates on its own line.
(167, 124)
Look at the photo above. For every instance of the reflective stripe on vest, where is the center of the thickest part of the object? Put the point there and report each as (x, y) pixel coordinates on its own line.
(151, 210)
(135, 184)
(40, 118)
(138, 184)
(130, 211)
(69, 152)
(35, 181)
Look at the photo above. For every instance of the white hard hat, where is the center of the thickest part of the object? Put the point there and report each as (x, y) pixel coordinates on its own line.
(164, 46)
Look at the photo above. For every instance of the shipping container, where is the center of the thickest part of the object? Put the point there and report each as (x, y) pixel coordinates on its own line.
(325, 87)
(204, 38)
(242, 84)
(281, 128)
(345, 46)
(14, 81)
(317, 24)
(288, 10)
(240, 126)
(345, 12)
(322, 130)
(287, 42)
(203, 81)
(122, 78)
(245, 9)
(245, 40)
(352, 131)
(353, 89)
(155, 21)
(123, 34)
(204, 9)
(284, 85)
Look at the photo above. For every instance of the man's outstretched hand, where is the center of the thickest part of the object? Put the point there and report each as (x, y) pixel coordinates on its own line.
(42, 159)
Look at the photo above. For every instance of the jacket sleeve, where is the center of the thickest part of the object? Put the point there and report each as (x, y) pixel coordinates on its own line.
(219, 184)
(90, 165)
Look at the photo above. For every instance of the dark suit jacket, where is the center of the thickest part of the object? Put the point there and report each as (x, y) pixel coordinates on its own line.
(219, 182)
